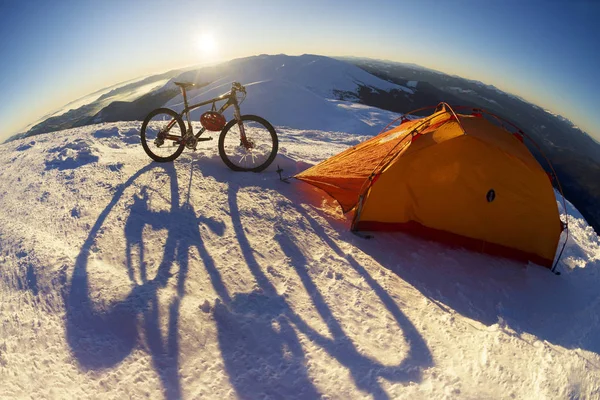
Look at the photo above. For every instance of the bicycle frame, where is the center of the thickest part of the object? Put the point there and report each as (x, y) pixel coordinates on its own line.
(231, 101)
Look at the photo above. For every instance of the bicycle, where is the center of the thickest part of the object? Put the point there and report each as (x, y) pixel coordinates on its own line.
(246, 142)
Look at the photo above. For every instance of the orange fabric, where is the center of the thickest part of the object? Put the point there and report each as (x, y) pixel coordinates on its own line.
(441, 179)
(343, 175)
(445, 186)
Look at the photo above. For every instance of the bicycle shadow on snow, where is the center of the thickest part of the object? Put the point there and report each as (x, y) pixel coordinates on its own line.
(102, 336)
(562, 310)
(257, 335)
(521, 299)
(262, 352)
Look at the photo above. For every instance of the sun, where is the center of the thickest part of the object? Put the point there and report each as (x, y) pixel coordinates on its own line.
(207, 44)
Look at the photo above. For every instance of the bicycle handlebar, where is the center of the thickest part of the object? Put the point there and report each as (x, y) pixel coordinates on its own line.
(238, 86)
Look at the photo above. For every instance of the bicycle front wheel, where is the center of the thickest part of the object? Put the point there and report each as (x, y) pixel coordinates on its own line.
(256, 152)
(162, 135)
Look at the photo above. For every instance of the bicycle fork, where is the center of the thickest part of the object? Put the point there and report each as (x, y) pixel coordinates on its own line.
(238, 117)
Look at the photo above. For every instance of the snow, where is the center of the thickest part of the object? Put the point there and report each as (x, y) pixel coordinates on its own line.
(319, 74)
(563, 119)
(124, 278)
(469, 91)
(287, 104)
(303, 92)
(489, 100)
(298, 92)
(459, 90)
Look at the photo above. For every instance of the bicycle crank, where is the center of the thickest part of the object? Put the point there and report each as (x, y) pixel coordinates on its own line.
(191, 142)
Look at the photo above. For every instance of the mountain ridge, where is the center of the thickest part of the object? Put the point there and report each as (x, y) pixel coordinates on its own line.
(359, 60)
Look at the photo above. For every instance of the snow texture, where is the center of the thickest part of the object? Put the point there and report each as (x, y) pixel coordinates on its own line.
(124, 278)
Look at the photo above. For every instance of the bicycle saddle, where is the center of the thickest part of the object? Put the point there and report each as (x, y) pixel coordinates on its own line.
(184, 84)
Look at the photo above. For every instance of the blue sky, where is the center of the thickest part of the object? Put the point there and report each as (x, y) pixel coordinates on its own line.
(54, 52)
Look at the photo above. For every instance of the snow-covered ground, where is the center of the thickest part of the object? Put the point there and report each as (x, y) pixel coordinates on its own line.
(124, 278)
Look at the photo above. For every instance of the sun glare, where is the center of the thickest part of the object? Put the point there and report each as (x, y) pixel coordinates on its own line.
(207, 44)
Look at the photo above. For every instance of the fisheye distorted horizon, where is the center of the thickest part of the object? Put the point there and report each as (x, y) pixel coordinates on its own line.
(56, 52)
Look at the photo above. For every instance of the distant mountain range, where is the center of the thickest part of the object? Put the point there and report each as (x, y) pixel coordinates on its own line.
(316, 92)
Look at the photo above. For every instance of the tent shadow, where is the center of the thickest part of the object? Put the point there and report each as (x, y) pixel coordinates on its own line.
(562, 310)
(254, 329)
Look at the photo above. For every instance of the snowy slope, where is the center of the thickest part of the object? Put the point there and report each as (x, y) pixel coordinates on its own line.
(80, 102)
(294, 91)
(123, 278)
(303, 92)
(80, 111)
(322, 75)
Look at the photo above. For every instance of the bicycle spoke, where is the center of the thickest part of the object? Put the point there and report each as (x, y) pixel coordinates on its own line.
(162, 136)
(259, 145)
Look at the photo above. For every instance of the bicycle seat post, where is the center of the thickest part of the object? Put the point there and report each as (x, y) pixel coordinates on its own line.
(184, 93)
(185, 109)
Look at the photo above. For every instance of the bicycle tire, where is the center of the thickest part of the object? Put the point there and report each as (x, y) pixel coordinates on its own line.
(255, 168)
(143, 135)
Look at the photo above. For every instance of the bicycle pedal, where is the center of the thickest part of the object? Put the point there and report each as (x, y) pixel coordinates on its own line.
(206, 139)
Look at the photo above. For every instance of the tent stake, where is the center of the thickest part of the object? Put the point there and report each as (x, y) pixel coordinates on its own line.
(279, 171)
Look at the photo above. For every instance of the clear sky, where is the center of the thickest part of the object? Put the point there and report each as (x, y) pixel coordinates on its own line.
(53, 52)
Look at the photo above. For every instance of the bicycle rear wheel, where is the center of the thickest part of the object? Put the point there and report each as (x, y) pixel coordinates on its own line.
(259, 149)
(162, 135)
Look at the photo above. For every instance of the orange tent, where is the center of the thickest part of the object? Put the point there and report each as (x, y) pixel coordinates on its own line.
(460, 179)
